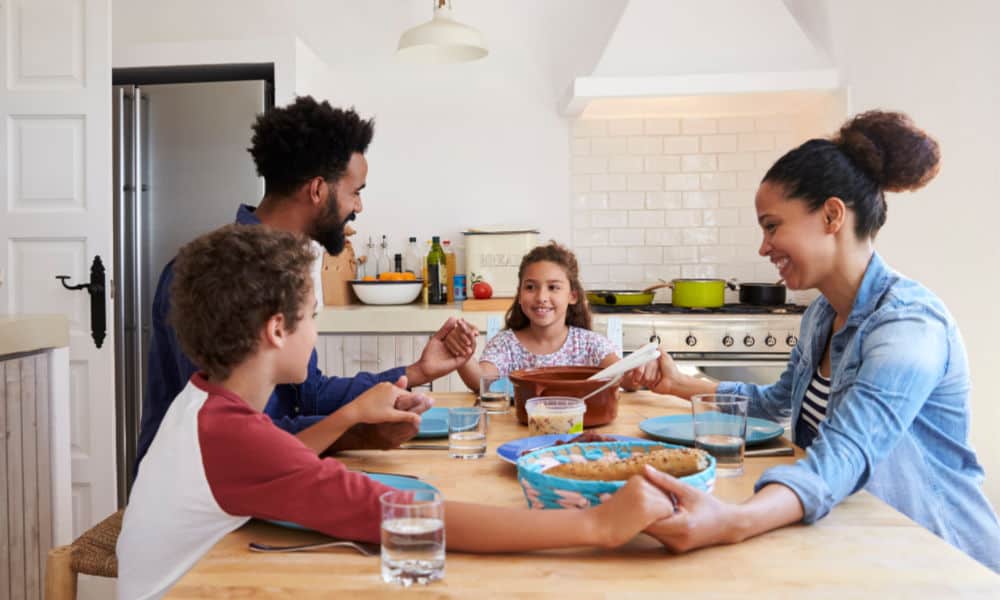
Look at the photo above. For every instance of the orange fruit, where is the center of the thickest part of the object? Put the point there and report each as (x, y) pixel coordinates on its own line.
(368, 278)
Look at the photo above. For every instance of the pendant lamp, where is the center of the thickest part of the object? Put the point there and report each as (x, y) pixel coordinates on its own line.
(441, 40)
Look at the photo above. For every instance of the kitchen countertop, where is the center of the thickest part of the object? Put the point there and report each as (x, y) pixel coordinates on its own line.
(862, 549)
(27, 333)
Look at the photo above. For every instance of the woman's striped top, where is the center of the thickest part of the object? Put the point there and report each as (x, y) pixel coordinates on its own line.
(814, 404)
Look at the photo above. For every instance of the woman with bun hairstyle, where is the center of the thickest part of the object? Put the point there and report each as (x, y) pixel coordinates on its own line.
(879, 381)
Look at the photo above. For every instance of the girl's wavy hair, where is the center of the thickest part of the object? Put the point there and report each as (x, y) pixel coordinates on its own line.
(577, 315)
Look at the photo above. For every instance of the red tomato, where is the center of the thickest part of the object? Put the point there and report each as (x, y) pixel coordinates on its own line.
(482, 290)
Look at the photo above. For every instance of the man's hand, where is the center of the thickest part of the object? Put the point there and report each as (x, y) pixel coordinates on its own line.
(389, 434)
(438, 358)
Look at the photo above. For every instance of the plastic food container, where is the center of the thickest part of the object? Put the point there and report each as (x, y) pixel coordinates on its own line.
(555, 414)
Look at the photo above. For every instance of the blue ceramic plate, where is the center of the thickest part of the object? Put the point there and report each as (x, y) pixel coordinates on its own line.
(433, 424)
(511, 451)
(679, 429)
(397, 481)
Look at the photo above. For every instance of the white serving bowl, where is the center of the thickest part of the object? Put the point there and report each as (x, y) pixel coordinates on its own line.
(388, 292)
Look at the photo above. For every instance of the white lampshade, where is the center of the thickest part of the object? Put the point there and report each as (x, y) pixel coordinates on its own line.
(441, 40)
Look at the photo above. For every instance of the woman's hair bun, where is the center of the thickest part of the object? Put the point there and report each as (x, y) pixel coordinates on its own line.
(890, 149)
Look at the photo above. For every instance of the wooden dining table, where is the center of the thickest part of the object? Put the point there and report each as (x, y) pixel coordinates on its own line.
(863, 548)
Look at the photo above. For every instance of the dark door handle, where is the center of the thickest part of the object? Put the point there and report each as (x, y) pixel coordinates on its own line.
(98, 323)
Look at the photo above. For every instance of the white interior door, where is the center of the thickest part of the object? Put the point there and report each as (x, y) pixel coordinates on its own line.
(56, 210)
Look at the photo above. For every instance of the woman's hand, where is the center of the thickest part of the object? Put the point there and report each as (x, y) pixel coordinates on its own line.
(658, 375)
(635, 507)
(699, 519)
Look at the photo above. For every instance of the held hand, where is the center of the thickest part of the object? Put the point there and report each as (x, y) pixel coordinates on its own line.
(436, 360)
(659, 375)
(699, 519)
(461, 340)
(379, 405)
(633, 508)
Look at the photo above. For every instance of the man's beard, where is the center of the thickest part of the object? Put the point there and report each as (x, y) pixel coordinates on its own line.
(328, 229)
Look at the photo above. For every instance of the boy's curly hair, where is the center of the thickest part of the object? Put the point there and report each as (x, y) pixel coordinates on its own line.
(306, 139)
(228, 283)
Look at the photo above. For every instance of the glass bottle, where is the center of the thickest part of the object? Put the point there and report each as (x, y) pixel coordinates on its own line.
(437, 273)
(398, 262)
(384, 260)
(411, 260)
(449, 261)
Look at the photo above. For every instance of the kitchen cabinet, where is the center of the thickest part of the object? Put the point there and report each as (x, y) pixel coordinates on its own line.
(344, 355)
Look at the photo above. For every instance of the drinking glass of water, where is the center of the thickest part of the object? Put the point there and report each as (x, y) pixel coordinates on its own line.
(467, 432)
(412, 536)
(494, 395)
(720, 428)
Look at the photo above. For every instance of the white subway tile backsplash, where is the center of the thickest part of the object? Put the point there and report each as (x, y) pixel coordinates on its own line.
(736, 199)
(645, 182)
(609, 256)
(606, 146)
(590, 128)
(681, 181)
(643, 145)
(625, 164)
(701, 199)
(664, 200)
(699, 236)
(698, 163)
(719, 143)
(699, 271)
(626, 274)
(625, 127)
(718, 181)
(627, 200)
(736, 125)
(627, 237)
(645, 218)
(607, 183)
(680, 254)
(751, 142)
(663, 237)
(586, 237)
(645, 255)
(682, 218)
(592, 201)
(680, 145)
(741, 161)
(663, 164)
(663, 126)
(699, 126)
(589, 164)
(608, 218)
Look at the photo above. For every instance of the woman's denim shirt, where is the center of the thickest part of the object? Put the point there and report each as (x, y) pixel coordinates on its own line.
(897, 420)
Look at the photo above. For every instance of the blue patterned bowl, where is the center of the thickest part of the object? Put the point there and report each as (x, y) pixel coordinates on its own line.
(548, 491)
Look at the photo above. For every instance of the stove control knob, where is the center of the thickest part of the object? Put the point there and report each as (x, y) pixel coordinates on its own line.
(748, 341)
(770, 341)
(655, 338)
(690, 340)
(791, 340)
(727, 341)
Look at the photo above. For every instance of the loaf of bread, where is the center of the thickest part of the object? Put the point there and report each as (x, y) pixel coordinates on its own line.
(678, 462)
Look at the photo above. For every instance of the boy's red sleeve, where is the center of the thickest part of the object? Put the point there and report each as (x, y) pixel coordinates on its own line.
(255, 469)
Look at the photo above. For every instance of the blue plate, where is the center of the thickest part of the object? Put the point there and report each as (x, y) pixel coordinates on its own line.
(511, 451)
(397, 481)
(433, 424)
(680, 430)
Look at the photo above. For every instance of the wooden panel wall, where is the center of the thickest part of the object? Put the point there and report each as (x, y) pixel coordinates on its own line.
(25, 476)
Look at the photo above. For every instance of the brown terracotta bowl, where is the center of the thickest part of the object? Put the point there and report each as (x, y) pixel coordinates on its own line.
(565, 381)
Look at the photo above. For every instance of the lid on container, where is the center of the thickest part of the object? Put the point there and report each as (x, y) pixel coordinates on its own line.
(413, 238)
(435, 239)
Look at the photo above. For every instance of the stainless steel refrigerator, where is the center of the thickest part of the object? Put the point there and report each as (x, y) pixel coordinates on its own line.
(181, 169)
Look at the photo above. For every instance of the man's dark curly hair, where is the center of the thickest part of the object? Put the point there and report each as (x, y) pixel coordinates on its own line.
(306, 139)
(226, 286)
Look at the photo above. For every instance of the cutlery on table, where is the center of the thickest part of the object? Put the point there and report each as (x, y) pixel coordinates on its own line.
(392, 474)
(783, 451)
(363, 548)
(423, 447)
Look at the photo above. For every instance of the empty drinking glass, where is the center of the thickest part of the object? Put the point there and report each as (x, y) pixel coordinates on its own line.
(720, 428)
(412, 536)
(467, 432)
(494, 395)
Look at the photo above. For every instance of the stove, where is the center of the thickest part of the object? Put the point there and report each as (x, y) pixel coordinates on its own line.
(729, 309)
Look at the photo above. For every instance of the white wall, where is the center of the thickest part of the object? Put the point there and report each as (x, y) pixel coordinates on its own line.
(938, 62)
